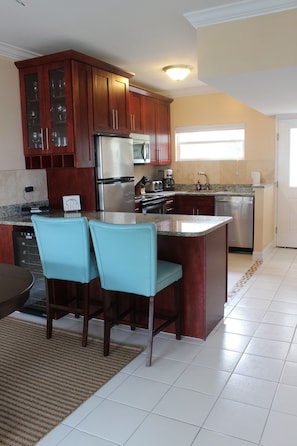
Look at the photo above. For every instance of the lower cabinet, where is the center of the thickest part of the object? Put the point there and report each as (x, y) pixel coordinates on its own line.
(194, 205)
(6, 244)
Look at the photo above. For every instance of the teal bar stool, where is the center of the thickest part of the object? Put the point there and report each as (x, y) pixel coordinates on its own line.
(64, 249)
(127, 261)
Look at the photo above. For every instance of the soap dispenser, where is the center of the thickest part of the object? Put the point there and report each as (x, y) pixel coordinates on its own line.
(198, 185)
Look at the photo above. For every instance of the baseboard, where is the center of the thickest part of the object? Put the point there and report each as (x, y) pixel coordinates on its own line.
(265, 254)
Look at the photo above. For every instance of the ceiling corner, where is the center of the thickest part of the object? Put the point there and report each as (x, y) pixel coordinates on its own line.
(236, 11)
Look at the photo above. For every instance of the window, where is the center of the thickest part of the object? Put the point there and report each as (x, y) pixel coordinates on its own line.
(210, 143)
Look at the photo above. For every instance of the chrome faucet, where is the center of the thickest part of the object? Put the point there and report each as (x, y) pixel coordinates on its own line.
(206, 185)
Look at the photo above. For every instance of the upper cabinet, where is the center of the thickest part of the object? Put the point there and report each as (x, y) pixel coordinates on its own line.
(136, 102)
(47, 112)
(65, 98)
(150, 114)
(110, 102)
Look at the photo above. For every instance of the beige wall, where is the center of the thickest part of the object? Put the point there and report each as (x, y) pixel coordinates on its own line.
(11, 144)
(264, 220)
(13, 176)
(222, 109)
(260, 43)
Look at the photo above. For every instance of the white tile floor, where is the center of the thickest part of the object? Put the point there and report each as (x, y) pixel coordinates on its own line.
(238, 388)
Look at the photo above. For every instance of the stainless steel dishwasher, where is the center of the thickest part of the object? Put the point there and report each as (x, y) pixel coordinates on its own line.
(241, 228)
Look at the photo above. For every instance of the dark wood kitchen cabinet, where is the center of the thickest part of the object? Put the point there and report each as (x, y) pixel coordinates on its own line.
(6, 244)
(157, 125)
(56, 113)
(136, 104)
(150, 114)
(110, 102)
(61, 108)
(194, 205)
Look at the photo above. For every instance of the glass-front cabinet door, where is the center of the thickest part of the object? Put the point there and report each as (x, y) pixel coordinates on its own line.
(48, 110)
(34, 136)
(58, 137)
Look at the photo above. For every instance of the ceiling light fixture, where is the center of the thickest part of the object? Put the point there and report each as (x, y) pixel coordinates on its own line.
(177, 72)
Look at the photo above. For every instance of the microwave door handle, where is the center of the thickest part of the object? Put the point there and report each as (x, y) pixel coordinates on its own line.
(143, 151)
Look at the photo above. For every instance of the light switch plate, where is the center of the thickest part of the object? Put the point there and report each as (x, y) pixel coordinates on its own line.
(71, 203)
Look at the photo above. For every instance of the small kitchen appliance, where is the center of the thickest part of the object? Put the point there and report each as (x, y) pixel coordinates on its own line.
(168, 181)
(154, 186)
(141, 148)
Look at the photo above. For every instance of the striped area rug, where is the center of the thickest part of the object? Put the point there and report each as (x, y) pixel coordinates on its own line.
(43, 380)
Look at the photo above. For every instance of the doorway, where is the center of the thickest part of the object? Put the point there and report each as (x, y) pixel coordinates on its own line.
(286, 209)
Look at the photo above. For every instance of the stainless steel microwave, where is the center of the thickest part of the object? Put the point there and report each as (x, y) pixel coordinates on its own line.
(141, 148)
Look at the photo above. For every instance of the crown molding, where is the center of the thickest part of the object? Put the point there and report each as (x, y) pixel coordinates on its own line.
(236, 11)
(16, 53)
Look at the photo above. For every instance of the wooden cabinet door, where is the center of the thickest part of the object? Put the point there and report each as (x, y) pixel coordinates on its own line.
(163, 132)
(83, 114)
(101, 99)
(149, 113)
(33, 109)
(136, 113)
(110, 102)
(6, 244)
(47, 114)
(157, 125)
(57, 84)
(194, 205)
(120, 103)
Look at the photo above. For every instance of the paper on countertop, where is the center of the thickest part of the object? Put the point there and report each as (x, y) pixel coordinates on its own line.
(71, 203)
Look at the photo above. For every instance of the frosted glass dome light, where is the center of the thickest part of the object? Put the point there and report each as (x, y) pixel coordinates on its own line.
(177, 72)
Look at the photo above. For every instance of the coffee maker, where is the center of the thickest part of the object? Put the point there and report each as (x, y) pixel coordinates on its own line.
(168, 181)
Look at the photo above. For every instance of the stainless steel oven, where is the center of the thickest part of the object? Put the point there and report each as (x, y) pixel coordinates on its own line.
(153, 204)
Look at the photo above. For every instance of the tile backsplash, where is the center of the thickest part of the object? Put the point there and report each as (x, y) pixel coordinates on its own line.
(12, 187)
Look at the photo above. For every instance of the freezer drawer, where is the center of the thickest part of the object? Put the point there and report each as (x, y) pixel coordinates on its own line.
(115, 196)
(241, 228)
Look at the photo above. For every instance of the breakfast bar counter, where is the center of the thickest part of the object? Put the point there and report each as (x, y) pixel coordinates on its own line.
(198, 243)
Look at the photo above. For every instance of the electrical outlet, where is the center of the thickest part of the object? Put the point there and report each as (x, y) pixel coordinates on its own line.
(29, 188)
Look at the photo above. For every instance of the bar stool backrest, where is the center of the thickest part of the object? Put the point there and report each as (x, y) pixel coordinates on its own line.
(126, 256)
(64, 248)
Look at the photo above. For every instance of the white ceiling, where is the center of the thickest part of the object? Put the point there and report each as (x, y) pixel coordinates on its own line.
(138, 36)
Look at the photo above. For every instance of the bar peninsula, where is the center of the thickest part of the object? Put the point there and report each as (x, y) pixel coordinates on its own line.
(199, 243)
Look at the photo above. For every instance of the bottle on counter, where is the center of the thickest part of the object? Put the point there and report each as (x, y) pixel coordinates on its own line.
(198, 185)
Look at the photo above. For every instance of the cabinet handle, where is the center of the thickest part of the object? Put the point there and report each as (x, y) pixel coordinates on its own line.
(132, 122)
(42, 140)
(112, 116)
(46, 139)
(117, 119)
(113, 119)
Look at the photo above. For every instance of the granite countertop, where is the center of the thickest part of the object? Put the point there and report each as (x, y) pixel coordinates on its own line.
(167, 224)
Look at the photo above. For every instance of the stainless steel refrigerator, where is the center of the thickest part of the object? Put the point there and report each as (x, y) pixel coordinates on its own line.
(114, 173)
